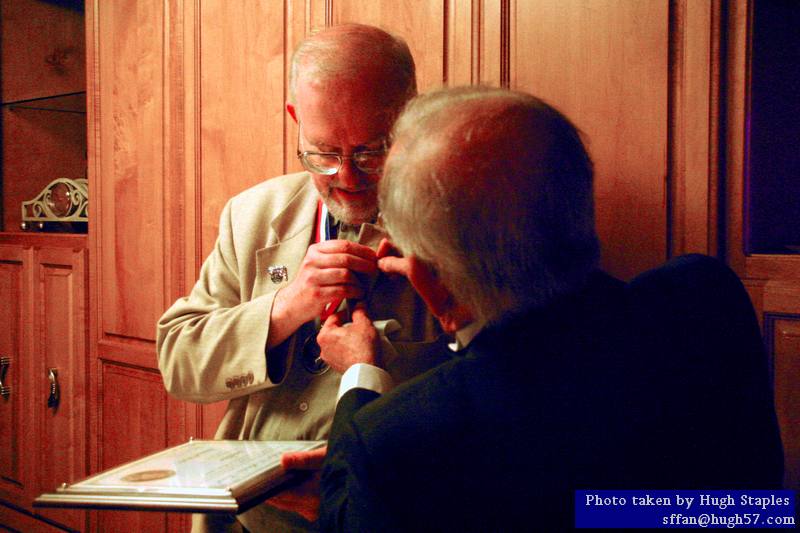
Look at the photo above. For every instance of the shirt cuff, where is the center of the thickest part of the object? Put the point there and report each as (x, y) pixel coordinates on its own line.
(364, 376)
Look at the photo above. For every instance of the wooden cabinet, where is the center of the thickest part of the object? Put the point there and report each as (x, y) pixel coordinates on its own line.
(43, 284)
(43, 277)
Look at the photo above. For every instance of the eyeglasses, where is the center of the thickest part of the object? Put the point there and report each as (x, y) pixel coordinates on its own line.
(329, 163)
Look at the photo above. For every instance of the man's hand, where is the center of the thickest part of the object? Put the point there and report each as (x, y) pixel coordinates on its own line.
(451, 315)
(345, 345)
(308, 460)
(302, 497)
(327, 274)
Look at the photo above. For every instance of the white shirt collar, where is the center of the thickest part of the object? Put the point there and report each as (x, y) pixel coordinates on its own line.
(465, 335)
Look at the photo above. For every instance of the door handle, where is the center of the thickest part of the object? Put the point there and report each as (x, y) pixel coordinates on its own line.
(55, 393)
(5, 390)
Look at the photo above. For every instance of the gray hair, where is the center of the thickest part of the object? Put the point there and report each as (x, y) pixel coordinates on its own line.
(346, 49)
(493, 189)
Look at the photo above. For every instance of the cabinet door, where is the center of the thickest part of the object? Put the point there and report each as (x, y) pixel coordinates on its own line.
(14, 317)
(42, 327)
(58, 373)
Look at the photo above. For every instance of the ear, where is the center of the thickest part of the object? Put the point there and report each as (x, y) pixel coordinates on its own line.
(291, 110)
(451, 314)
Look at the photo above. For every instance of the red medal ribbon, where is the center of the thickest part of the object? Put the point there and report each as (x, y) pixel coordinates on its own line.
(323, 234)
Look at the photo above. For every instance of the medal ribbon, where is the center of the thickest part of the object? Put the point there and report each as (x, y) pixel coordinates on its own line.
(323, 233)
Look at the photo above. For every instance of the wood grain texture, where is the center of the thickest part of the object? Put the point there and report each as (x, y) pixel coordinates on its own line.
(693, 143)
(737, 108)
(421, 24)
(474, 52)
(38, 147)
(42, 54)
(141, 151)
(42, 49)
(128, 211)
(133, 425)
(18, 520)
(46, 280)
(178, 140)
(604, 64)
(785, 336)
(13, 316)
(60, 295)
(242, 93)
(300, 17)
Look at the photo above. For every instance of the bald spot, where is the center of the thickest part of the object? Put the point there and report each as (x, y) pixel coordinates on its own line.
(483, 138)
(353, 63)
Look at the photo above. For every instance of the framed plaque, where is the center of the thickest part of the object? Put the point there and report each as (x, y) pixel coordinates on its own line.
(198, 476)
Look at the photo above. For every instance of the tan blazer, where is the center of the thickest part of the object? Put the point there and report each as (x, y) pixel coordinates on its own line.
(211, 344)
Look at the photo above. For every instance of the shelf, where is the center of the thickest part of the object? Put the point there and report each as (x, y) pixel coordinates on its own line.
(60, 103)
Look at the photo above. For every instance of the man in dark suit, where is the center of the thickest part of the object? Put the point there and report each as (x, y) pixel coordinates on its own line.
(556, 387)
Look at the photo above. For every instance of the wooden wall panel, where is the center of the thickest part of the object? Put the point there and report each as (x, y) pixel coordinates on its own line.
(421, 24)
(242, 102)
(129, 181)
(474, 48)
(695, 30)
(604, 64)
(16, 521)
(785, 337)
(142, 168)
(132, 425)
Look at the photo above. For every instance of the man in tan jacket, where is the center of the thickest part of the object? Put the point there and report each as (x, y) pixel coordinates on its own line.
(293, 249)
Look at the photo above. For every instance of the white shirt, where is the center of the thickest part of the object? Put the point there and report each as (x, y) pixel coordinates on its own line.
(376, 379)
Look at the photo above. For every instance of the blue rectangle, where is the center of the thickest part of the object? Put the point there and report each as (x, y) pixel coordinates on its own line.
(685, 509)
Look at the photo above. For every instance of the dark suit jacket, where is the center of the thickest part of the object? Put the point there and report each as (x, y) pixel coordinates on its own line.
(574, 396)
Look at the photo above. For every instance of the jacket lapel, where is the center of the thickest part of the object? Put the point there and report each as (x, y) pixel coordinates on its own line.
(292, 231)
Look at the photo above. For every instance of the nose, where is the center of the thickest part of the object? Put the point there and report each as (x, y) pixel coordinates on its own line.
(349, 175)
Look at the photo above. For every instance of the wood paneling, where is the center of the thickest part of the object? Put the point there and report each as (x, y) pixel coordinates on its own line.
(129, 176)
(693, 127)
(45, 278)
(42, 49)
(42, 54)
(785, 336)
(14, 314)
(474, 48)
(145, 159)
(132, 425)
(38, 147)
(604, 64)
(772, 280)
(60, 344)
(737, 107)
(16, 520)
(421, 24)
(242, 102)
